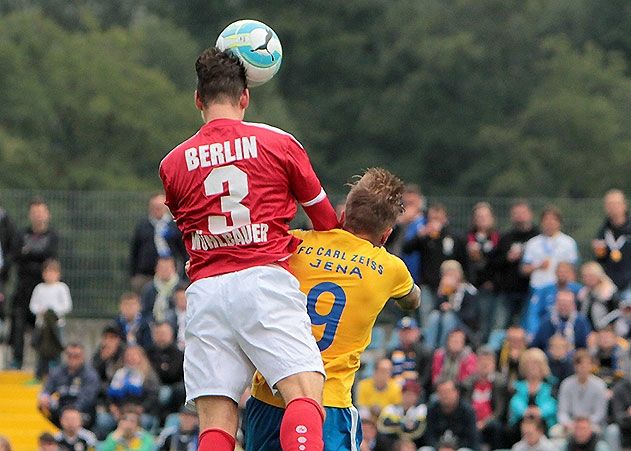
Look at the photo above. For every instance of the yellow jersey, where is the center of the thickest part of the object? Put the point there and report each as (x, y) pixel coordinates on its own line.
(347, 281)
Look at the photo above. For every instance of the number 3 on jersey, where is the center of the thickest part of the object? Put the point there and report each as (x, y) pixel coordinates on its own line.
(330, 320)
(237, 182)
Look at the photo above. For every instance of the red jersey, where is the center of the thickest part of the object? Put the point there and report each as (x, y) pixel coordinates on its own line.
(232, 189)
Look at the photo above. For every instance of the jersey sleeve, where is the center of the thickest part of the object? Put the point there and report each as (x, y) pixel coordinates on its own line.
(168, 189)
(402, 282)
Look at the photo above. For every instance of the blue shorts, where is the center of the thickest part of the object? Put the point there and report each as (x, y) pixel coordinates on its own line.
(341, 431)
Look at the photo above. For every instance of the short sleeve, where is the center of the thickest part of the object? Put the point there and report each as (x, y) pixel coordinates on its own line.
(528, 257)
(402, 279)
(303, 182)
(168, 190)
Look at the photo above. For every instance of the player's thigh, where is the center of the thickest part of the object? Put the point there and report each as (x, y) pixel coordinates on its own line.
(273, 327)
(262, 426)
(342, 429)
(214, 363)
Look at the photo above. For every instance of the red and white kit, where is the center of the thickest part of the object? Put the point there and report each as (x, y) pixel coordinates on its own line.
(232, 189)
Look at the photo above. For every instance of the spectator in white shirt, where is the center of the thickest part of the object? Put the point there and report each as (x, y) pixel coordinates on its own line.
(543, 252)
(50, 303)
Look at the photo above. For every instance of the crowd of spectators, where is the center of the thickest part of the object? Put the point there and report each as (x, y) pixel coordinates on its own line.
(514, 346)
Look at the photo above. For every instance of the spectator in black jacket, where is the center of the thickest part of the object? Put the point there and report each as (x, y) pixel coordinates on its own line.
(612, 245)
(621, 409)
(512, 285)
(108, 357)
(155, 236)
(453, 414)
(72, 384)
(167, 361)
(436, 243)
(411, 360)
(8, 237)
(456, 307)
(134, 328)
(183, 437)
(36, 244)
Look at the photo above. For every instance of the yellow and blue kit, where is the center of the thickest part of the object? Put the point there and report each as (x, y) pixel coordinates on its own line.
(347, 281)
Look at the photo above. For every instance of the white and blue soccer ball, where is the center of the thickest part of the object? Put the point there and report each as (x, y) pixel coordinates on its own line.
(257, 45)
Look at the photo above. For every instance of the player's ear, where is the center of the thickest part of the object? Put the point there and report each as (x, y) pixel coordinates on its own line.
(199, 104)
(244, 100)
(385, 236)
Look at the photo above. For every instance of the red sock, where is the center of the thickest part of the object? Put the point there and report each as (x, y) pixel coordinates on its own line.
(301, 428)
(216, 440)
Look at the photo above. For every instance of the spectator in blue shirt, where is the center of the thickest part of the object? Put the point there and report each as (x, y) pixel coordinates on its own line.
(564, 320)
(542, 299)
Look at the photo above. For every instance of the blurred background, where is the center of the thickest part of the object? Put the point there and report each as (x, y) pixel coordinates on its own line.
(470, 99)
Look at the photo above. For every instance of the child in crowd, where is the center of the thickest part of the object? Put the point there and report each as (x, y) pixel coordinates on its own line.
(50, 303)
(134, 327)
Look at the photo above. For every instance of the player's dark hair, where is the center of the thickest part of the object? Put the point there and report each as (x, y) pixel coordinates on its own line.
(374, 202)
(220, 77)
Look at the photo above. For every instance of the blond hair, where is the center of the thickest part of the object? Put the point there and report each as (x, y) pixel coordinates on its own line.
(534, 356)
(374, 202)
(451, 265)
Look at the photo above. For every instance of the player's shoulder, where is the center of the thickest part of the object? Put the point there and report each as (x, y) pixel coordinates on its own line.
(172, 156)
(271, 132)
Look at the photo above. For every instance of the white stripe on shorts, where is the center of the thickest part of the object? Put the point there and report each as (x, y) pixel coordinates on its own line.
(354, 426)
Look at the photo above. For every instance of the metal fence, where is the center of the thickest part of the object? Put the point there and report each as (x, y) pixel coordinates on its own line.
(95, 230)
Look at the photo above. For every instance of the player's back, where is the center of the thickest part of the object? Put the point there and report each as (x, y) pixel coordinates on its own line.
(232, 189)
(347, 281)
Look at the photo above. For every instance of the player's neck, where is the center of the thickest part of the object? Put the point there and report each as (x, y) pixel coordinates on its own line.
(364, 236)
(222, 111)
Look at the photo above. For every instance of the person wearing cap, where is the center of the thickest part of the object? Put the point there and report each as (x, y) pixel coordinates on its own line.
(184, 436)
(450, 413)
(406, 420)
(487, 392)
(108, 358)
(411, 360)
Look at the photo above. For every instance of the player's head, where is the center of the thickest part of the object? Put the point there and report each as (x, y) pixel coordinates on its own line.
(220, 80)
(373, 205)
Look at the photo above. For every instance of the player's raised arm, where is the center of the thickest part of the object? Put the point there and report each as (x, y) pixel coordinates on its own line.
(307, 189)
(411, 300)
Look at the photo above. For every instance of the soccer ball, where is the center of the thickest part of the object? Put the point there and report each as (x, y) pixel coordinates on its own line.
(256, 45)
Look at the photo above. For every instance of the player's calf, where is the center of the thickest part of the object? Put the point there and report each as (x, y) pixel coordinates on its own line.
(301, 428)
